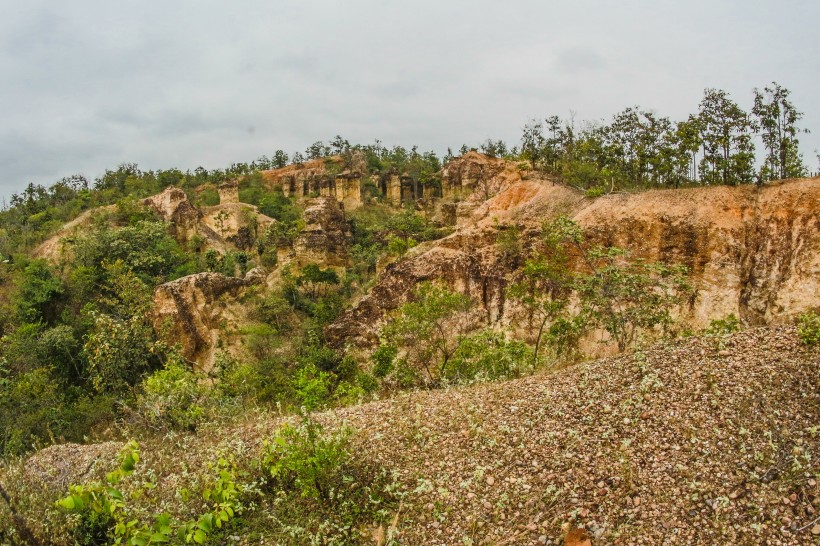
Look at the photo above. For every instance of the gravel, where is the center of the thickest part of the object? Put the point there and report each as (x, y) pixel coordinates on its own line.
(700, 441)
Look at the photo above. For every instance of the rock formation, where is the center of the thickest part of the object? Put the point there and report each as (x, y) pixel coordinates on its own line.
(751, 251)
(324, 238)
(192, 310)
(173, 206)
(228, 192)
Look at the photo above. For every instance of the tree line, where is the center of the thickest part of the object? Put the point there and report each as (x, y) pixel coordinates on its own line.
(639, 148)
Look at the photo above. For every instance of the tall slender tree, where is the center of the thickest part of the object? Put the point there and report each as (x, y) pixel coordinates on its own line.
(776, 120)
(726, 138)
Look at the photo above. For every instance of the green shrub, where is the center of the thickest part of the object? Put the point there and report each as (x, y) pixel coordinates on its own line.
(107, 518)
(320, 493)
(119, 352)
(367, 382)
(808, 328)
(313, 387)
(724, 326)
(488, 355)
(174, 398)
(305, 460)
(30, 409)
(209, 197)
(383, 358)
(594, 192)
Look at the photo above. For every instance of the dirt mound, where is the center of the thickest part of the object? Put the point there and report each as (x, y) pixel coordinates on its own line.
(58, 466)
(708, 441)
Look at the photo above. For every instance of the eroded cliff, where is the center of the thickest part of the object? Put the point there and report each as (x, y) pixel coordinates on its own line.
(195, 312)
(751, 251)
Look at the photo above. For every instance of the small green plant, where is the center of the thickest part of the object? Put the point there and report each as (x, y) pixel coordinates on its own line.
(104, 514)
(319, 489)
(174, 398)
(107, 519)
(305, 460)
(222, 497)
(313, 387)
(594, 192)
(808, 328)
(724, 326)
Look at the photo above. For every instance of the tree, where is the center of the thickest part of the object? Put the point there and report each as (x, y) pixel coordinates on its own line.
(687, 143)
(280, 159)
(624, 296)
(428, 330)
(728, 151)
(776, 121)
(316, 280)
(145, 248)
(532, 142)
(119, 351)
(607, 288)
(339, 145)
(39, 294)
(317, 150)
(546, 281)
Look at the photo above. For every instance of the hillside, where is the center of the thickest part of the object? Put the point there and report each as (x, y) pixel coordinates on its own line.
(750, 251)
(708, 440)
(521, 361)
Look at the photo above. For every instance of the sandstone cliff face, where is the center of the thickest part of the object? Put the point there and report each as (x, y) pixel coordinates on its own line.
(313, 179)
(754, 252)
(194, 310)
(470, 181)
(325, 237)
(173, 206)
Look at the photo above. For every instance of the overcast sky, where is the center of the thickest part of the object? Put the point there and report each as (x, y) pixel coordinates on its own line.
(87, 85)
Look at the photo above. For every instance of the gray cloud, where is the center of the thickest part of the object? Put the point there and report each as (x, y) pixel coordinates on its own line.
(90, 84)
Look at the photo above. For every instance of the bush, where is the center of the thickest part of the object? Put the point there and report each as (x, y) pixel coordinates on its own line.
(724, 326)
(173, 398)
(383, 358)
(30, 407)
(808, 328)
(488, 355)
(119, 352)
(305, 460)
(322, 494)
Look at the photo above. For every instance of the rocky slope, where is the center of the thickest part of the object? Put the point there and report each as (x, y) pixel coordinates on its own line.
(710, 440)
(751, 251)
(707, 441)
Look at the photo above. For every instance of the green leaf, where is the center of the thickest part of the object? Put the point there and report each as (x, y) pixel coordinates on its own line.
(206, 522)
(200, 536)
(114, 493)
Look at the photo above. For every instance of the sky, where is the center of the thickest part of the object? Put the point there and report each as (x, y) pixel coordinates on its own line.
(88, 85)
